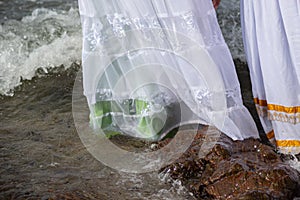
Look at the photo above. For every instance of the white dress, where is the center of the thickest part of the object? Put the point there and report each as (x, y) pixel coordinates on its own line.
(271, 31)
(151, 65)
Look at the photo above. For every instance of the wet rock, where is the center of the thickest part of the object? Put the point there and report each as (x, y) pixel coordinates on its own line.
(235, 170)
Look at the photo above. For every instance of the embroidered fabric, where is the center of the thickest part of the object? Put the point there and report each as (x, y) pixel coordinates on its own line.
(149, 61)
(292, 118)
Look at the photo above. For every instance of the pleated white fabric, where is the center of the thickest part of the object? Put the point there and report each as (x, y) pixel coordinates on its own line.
(271, 31)
(156, 27)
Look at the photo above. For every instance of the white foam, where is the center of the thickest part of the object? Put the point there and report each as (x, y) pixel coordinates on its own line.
(295, 163)
(45, 39)
(229, 20)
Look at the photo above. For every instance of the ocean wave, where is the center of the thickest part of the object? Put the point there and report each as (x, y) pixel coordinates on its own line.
(45, 39)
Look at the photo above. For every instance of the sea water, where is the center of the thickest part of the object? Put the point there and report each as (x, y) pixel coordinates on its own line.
(41, 36)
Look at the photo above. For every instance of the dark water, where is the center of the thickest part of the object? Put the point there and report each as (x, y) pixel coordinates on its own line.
(42, 156)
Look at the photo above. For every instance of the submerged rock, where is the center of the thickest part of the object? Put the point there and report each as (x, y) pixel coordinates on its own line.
(235, 170)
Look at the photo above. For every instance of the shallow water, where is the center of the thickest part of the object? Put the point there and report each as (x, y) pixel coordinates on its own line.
(43, 157)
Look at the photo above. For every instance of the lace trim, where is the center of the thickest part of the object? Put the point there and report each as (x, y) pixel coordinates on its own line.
(277, 112)
(289, 150)
(278, 116)
(262, 111)
(189, 21)
(98, 30)
(283, 117)
(279, 108)
(203, 96)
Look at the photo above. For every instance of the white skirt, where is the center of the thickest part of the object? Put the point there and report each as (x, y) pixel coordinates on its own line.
(271, 31)
(177, 46)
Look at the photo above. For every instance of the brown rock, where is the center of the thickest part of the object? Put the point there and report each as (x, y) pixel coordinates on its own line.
(235, 170)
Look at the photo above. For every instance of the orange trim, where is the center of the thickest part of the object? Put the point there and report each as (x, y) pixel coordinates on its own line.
(288, 143)
(270, 135)
(278, 108)
(260, 102)
(284, 109)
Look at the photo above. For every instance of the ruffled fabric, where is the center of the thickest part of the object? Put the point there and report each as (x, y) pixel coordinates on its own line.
(152, 65)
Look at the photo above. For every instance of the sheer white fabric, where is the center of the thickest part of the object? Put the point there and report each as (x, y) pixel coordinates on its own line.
(271, 31)
(112, 31)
